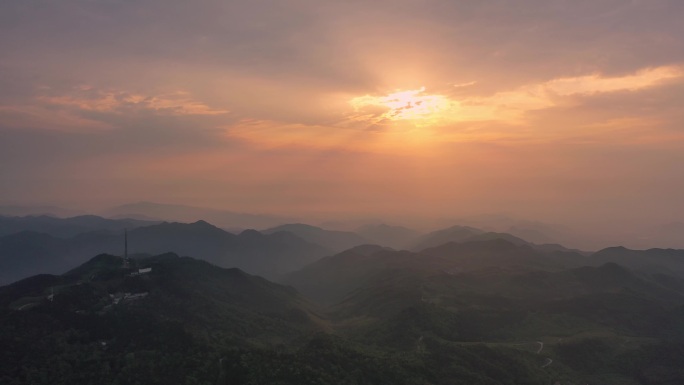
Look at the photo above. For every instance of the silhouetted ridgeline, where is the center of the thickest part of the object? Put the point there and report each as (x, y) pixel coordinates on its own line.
(26, 253)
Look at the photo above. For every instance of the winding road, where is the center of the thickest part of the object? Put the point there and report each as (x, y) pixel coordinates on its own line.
(548, 360)
(25, 306)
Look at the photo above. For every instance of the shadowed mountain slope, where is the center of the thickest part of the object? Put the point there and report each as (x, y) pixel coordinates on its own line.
(333, 240)
(67, 227)
(30, 253)
(171, 278)
(440, 237)
(330, 278)
(155, 328)
(668, 261)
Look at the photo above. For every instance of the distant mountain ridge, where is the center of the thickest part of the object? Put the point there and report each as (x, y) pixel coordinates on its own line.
(334, 240)
(460, 234)
(67, 227)
(329, 279)
(29, 253)
(439, 237)
(25, 210)
(652, 260)
(184, 213)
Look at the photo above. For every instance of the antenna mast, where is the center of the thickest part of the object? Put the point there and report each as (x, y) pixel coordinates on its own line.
(125, 261)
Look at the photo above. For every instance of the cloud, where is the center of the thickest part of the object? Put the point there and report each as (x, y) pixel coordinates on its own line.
(510, 106)
(577, 109)
(404, 105)
(595, 83)
(85, 107)
(88, 99)
(462, 85)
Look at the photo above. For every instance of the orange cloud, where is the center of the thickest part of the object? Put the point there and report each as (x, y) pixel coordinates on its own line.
(413, 105)
(508, 106)
(417, 121)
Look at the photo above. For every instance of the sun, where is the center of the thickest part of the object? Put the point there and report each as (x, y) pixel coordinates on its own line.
(413, 105)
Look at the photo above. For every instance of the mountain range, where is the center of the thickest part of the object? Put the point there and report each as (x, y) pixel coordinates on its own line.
(28, 252)
(333, 240)
(183, 213)
(489, 311)
(67, 227)
(296, 304)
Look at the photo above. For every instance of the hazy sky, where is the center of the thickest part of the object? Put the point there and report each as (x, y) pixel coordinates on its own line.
(549, 109)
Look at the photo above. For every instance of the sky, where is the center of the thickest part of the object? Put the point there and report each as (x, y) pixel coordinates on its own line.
(558, 110)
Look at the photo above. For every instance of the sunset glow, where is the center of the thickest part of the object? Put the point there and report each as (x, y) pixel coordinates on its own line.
(327, 107)
(407, 105)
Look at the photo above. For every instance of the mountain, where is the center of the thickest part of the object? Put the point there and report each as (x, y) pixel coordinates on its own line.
(494, 291)
(255, 252)
(20, 211)
(182, 213)
(172, 278)
(168, 325)
(668, 261)
(460, 234)
(488, 236)
(584, 321)
(183, 325)
(492, 311)
(531, 230)
(334, 240)
(67, 227)
(391, 236)
(440, 237)
(501, 304)
(489, 249)
(186, 322)
(329, 279)
(30, 253)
